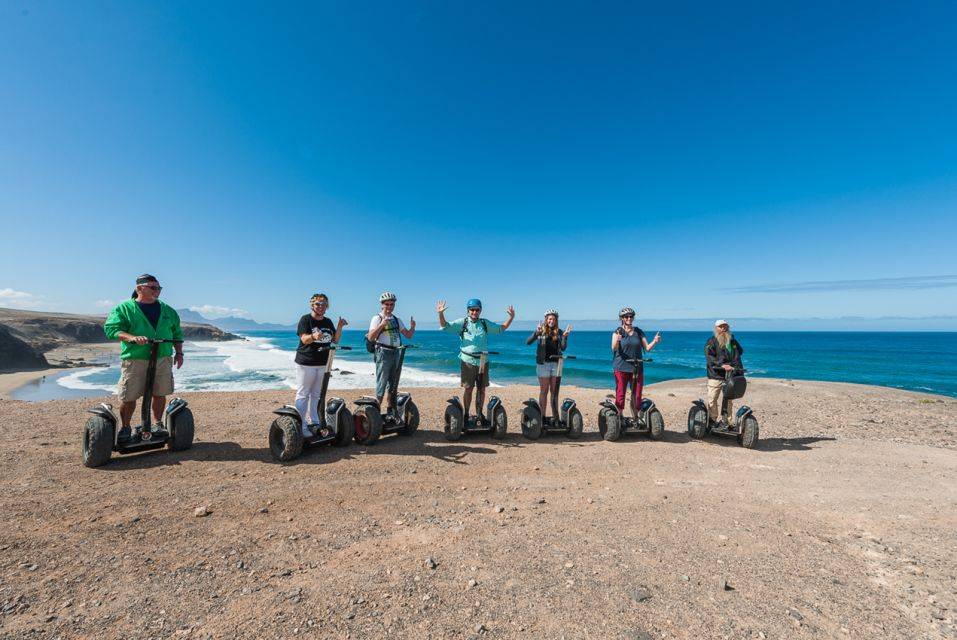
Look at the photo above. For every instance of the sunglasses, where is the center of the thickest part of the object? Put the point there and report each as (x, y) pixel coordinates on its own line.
(628, 317)
(475, 308)
(154, 287)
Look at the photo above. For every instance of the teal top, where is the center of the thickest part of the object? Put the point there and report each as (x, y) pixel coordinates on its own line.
(475, 336)
(128, 317)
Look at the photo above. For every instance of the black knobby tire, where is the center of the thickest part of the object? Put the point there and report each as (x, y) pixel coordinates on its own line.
(454, 427)
(344, 428)
(285, 439)
(97, 441)
(612, 426)
(181, 430)
(748, 437)
(697, 422)
(499, 422)
(411, 419)
(576, 424)
(368, 422)
(602, 422)
(531, 423)
(656, 425)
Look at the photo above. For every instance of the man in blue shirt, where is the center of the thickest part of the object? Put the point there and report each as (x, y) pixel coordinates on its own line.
(473, 332)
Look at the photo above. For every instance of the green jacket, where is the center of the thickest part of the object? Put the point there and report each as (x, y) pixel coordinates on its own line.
(128, 317)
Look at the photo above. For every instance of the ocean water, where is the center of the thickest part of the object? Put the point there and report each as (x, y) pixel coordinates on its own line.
(915, 361)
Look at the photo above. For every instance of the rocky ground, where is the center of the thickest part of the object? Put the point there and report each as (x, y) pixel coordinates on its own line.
(842, 524)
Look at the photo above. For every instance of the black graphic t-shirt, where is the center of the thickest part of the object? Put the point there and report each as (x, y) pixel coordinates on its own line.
(309, 354)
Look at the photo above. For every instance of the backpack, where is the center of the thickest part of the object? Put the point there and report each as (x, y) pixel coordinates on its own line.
(370, 345)
(465, 325)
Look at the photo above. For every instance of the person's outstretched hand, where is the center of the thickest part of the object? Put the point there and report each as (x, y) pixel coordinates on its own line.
(412, 322)
(568, 329)
(510, 311)
(440, 306)
(342, 322)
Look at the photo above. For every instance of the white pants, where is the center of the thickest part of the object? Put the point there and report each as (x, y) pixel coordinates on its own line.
(309, 382)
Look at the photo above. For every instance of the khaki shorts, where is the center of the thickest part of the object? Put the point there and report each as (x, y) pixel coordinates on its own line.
(471, 377)
(133, 378)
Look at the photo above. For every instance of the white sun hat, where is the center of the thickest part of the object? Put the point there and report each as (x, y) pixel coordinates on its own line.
(718, 323)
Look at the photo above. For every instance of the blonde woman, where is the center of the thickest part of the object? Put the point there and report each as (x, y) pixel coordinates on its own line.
(552, 341)
(314, 330)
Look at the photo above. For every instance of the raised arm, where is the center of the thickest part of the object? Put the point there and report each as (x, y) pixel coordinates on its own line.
(342, 322)
(650, 345)
(440, 306)
(511, 316)
(408, 333)
(615, 339)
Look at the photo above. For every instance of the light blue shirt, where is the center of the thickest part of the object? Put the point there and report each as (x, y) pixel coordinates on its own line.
(475, 337)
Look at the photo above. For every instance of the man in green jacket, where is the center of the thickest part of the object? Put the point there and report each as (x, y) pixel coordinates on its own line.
(135, 322)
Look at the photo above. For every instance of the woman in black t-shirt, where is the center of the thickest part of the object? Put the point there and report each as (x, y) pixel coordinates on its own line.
(314, 330)
(551, 342)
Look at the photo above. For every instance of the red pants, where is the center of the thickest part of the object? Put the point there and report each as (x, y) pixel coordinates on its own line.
(622, 380)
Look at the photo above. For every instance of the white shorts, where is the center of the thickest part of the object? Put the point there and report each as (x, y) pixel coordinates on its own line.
(547, 370)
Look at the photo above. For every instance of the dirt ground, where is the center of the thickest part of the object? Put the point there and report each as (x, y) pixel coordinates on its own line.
(842, 524)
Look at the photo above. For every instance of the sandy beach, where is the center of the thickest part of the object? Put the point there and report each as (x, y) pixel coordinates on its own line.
(840, 525)
(62, 358)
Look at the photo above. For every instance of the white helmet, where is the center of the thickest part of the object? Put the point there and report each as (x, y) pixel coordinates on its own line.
(551, 312)
(626, 311)
(387, 297)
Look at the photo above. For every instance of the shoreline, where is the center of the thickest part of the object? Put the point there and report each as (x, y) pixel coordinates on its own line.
(61, 359)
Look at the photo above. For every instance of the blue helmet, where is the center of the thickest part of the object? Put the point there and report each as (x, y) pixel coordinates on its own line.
(473, 303)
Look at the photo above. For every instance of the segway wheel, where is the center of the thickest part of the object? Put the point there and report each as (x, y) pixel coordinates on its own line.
(97, 441)
(531, 423)
(454, 424)
(748, 437)
(612, 426)
(368, 424)
(285, 439)
(656, 425)
(411, 419)
(345, 428)
(698, 422)
(182, 429)
(499, 422)
(575, 424)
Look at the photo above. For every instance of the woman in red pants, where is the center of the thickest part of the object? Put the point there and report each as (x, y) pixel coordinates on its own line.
(627, 343)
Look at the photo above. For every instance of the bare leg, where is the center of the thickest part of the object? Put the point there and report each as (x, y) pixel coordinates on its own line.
(467, 399)
(543, 394)
(554, 385)
(480, 401)
(126, 412)
(159, 403)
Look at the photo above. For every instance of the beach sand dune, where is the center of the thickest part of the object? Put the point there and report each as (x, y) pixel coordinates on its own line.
(842, 524)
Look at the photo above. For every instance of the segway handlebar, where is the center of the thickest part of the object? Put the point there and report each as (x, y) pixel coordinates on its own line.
(479, 353)
(561, 356)
(333, 347)
(636, 361)
(396, 348)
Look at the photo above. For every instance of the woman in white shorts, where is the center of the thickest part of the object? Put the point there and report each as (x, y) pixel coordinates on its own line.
(551, 342)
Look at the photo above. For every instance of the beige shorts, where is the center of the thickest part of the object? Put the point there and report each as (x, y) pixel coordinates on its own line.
(133, 378)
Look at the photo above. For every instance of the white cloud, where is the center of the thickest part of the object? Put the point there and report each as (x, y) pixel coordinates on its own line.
(212, 311)
(21, 300)
(104, 304)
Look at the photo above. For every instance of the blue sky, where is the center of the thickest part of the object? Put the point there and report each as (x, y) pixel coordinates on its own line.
(760, 160)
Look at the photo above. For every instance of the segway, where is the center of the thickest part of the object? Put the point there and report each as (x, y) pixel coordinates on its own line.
(402, 417)
(569, 421)
(286, 440)
(744, 426)
(101, 436)
(612, 423)
(496, 422)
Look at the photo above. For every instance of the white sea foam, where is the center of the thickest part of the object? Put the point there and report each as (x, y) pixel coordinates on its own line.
(77, 380)
(252, 365)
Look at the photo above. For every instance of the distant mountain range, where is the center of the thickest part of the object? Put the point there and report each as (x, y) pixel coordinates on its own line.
(232, 323)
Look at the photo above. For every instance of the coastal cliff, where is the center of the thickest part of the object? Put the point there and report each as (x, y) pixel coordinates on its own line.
(25, 336)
